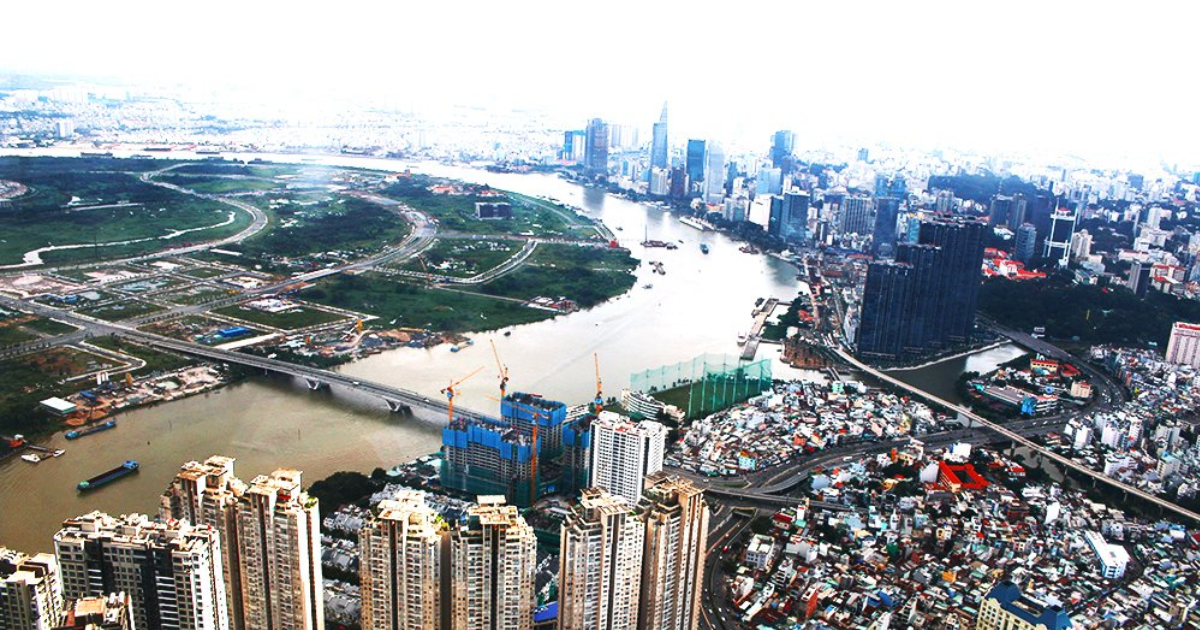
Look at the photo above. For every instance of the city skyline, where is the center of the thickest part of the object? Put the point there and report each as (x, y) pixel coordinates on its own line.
(1081, 87)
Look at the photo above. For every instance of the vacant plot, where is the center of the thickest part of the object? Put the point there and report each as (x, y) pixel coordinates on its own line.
(49, 326)
(348, 225)
(156, 360)
(120, 310)
(455, 210)
(420, 307)
(204, 273)
(197, 294)
(149, 285)
(299, 317)
(214, 185)
(463, 258)
(586, 275)
(11, 334)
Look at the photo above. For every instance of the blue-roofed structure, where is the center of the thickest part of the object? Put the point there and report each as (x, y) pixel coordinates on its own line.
(1006, 608)
(546, 616)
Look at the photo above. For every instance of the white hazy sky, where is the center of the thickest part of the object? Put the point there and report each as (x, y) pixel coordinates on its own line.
(1117, 77)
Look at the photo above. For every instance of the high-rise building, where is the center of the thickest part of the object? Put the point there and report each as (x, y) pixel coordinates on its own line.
(600, 564)
(596, 150)
(658, 144)
(890, 186)
(400, 555)
(678, 183)
(1026, 243)
(1184, 345)
(789, 216)
(883, 237)
(31, 596)
(207, 494)
(624, 453)
(279, 554)
(1005, 608)
(676, 518)
(111, 612)
(1058, 239)
(926, 299)
(783, 145)
(696, 159)
(945, 203)
(999, 210)
(1081, 245)
(857, 215)
(714, 174)
(1139, 277)
(769, 181)
(1018, 211)
(493, 559)
(574, 146)
(171, 571)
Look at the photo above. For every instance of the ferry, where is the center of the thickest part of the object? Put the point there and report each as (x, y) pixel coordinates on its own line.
(31, 458)
(71, 435)
(108, 476)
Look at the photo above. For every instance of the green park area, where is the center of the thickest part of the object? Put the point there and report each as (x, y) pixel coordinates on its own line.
(462, 258)
(587, 275)
(99, 205)
(118, 310)
(326, 223)
(291, 319)
(217, 185)
(409, 305)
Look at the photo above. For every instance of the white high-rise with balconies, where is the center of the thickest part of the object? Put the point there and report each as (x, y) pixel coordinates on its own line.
(31, 596)
(624, 453)
(400, 553)
(1184, 346)
(676, 518)
(493, 558)
(600, 564)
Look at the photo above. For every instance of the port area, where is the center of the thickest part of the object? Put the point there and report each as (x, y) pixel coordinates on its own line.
(761, 314)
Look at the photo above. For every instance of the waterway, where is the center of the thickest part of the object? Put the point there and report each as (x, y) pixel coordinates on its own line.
(940, 378)
(699, 306)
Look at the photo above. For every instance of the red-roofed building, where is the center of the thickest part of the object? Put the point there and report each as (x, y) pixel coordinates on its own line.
(956, 477)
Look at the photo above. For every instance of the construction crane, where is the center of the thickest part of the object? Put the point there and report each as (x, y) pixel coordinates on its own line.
(599, 402)
(451, 392)
(502, 368)
(536, 417)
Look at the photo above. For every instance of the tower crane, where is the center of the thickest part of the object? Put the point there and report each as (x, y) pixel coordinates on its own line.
(502, 368)
(599, 402)
(450, 391)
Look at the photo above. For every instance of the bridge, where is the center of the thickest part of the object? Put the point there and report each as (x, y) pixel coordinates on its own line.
(1017, 438)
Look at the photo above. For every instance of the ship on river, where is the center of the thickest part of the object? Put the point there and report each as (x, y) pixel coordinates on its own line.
(108, 476)
(71, 435)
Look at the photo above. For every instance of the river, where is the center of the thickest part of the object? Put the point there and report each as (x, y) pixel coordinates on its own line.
(700, 305)
(940, 378)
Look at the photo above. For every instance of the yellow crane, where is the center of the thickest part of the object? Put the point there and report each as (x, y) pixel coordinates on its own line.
(450, 391)
(502, 368)
(599, 402)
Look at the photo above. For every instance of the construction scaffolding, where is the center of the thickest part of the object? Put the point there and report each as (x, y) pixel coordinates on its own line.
(707, 383)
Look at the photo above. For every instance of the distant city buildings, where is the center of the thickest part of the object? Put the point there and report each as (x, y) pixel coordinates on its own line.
(659, 149)
(493, 557)
(783, 145)
(596, 148)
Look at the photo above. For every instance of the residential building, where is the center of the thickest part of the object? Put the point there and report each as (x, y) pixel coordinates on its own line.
(676, 518)
(1113, 559)
(1139, 277)
(279, 554)
(493, 558)
(400, 551)
(31, 596)
(714, 174)
(999, 210)
(1183, 348)
(1005, 608)
(207, 494)
(109, 612)
(1026, 243)
(624, 453)
(600, 564)
(171, 571)
(857, 215)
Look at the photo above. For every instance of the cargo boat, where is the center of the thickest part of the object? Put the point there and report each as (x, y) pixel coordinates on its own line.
(109, 476)
(71, 435)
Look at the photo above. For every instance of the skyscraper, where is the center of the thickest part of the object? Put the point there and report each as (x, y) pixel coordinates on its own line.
(600, 564)
(714, 174)
(1183, 348)
(493, 558)
(886, 300)
(676, 518)
(697, 157)
(658, 145)
(857, 215)
(883, 237)
(31, 596)
(783, 145)
(171, 571)
(890, 186)
(999, 210)
(1018, 212)
(1139, 277)
(958, 272)
(624, 453)
(279, 553)
(1058, 240)
(789, 216)
(400, 551)
(207, 494)
(596, 151)
(1026, 243)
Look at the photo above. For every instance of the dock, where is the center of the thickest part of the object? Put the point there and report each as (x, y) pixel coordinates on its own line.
(761, 314)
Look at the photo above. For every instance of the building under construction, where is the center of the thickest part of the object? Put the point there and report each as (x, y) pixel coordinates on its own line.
(491, 456)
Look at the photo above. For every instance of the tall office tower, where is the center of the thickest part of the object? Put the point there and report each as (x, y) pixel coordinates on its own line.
(886, 301)
(493, 559)
(783, 145)
(714, 174)
(1005, 608)
(676, 518)
(1081, 245)
(999, 210)
(624, 453)
(400, 555)
(110, 612)
(857, 215)
(1040, 209)
(678, 183)
(574, 146)
(1184, 345)
(31, 596)
(890, 186)
(207, 494)
(1139, 277)
(883, 237)
(958, 272)
(1026, 243)
(279, 540)
(596, 150)
(171, 571)
(944, 202)
(658, 144)
(697, 157)
(1018, 212)
(1058, 240)
(769, 181)
(600, 564)
(789, 216)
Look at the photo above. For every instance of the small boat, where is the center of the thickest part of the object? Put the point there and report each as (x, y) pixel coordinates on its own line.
(508, 333)
(58, 452)
(31, 458)
(647, 286)
(741, 339)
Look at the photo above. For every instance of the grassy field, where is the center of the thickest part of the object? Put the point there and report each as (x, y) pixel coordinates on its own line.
(340, 224)
(420, 307)
(586, 275)
(457, 212)
(117, 311)
(149, 285)
(230, 168)
(204, 272)
(156, 360)
(195, 295)
(49, 326)
(12, 334)
(52, 213)
(303, 317)
(218, 185)
(463, 258)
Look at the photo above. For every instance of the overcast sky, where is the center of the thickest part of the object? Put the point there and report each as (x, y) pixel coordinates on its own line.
(1081, 76)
